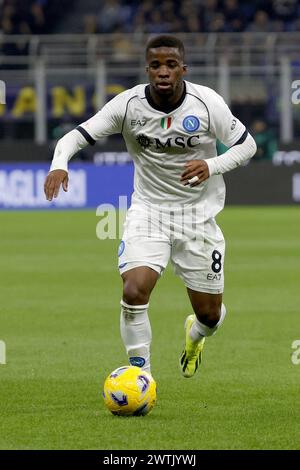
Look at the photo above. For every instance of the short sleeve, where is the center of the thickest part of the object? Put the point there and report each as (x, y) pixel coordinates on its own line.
(224, 125)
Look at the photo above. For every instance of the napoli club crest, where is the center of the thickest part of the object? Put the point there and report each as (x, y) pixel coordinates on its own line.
(191, 123)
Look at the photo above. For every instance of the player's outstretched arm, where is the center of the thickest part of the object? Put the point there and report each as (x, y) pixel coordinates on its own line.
(54, 180)
(197, 171)
(107, 121)
(66, 147)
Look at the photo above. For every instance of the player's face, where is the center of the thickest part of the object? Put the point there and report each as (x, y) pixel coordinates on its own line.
(165, 69)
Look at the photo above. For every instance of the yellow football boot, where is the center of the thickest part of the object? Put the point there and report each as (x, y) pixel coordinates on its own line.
(192, 354)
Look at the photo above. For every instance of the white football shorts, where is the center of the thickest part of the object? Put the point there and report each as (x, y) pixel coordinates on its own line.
(154, 235)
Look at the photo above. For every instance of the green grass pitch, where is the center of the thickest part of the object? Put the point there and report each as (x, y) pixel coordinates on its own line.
(59, 317)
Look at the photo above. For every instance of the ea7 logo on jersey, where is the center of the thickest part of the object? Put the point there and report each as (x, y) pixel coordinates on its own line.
(138, 122)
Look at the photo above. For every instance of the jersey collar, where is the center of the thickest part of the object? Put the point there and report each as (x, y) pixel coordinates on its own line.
(167, 108)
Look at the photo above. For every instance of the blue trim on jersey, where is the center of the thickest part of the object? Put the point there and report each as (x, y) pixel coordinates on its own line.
(86, 135)
(241, 139)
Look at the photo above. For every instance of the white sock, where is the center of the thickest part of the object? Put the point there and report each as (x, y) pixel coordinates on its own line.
(199, 330)
(136, 334)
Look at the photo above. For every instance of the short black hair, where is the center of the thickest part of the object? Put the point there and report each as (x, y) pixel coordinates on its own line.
(165, 40)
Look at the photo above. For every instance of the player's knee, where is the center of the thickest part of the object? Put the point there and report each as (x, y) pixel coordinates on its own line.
(209, 315)
(134, 294)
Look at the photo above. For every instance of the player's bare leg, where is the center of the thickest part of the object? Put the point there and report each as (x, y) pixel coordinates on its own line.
(207, 307)
(135, 325)
(138, 284)
(209, 315)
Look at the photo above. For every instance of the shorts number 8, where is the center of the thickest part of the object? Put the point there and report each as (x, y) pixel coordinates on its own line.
(217, 264)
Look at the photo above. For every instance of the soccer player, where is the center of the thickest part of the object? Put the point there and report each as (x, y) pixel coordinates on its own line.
(170, 127)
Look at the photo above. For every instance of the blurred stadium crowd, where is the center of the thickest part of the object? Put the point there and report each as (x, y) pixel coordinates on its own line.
(194, 16)
(255, 95)
(30, 17)
(148, 16)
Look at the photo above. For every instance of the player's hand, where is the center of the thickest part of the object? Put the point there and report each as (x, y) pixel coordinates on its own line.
(195, 168)
(53, 181)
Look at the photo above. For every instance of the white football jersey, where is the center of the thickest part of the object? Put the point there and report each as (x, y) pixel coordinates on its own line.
(161, 143)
